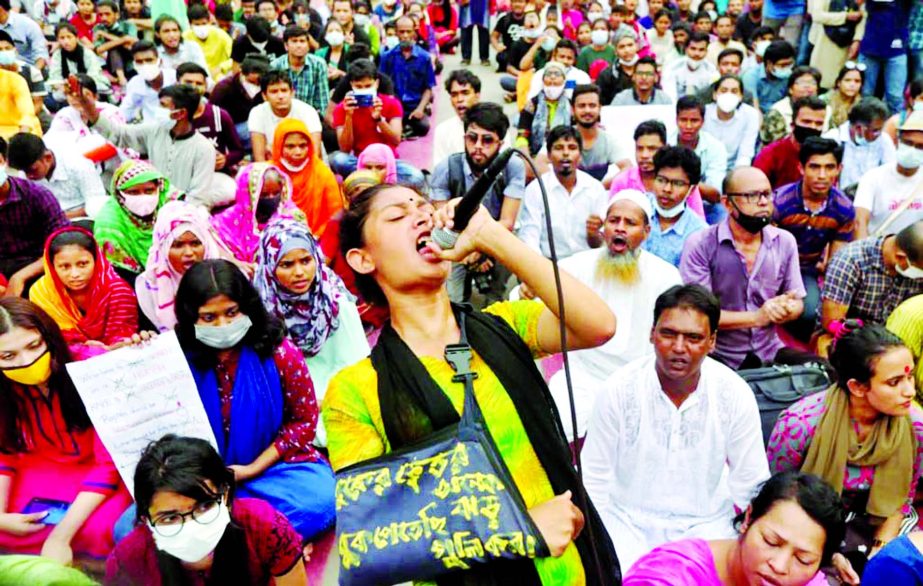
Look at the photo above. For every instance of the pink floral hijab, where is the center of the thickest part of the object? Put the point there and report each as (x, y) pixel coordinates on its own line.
(238, 226)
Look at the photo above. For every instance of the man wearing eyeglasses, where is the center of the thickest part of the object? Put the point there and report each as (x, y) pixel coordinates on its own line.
(752, 267)
(865, 146)
(676, 171)
(485, 126)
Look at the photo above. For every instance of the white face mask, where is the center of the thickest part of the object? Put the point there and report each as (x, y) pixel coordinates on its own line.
(294, 168)
(3, 175)
(392, 41)
(148, 71)
(251, 89)
(141, 205)
(534, 33)
(593, 16)
(909, 157)
(629, 62)
(8, 57)
(194, 540)
(670, 213)
(599, 38)
(259, 46)
(334, 38)
(223, 337)
(553, 92)
(911, 272)
(361, 20)
(759, 48)
(200, 31)
(727, 103)
(548, 45)
(693, 64)
(164, 115)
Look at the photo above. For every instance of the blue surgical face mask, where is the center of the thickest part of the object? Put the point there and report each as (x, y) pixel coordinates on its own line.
(782, 72)
(223, 337)
(670, 213)
(7, 57)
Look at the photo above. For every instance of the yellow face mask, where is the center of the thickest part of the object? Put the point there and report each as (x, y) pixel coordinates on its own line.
(34, 374)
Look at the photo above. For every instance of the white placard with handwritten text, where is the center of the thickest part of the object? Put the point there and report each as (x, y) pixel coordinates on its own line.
(136, 395)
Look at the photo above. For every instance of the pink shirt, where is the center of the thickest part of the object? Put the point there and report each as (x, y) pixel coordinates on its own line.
(683, 563)
(631, 179)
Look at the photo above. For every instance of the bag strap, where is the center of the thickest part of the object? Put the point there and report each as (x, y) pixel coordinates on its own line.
(456, 175)
(459, 357)
(899, 210)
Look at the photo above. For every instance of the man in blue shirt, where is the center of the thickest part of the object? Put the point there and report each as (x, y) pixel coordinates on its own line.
(768, 84)
(26, 34)
(884, 50)
(411, 69)
(676, 170)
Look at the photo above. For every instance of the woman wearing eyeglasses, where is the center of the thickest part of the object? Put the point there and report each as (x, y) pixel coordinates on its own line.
(192, 531)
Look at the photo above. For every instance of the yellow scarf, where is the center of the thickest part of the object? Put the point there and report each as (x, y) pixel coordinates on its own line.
(890, 448)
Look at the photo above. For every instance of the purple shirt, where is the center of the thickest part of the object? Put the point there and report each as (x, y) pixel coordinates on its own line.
(711, 260)
(28, 215)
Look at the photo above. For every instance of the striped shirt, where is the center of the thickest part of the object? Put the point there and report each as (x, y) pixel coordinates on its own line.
(310, 82)
(857, 277)
(813, 230)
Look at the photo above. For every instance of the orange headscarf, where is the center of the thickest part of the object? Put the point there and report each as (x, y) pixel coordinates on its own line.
(314, 187)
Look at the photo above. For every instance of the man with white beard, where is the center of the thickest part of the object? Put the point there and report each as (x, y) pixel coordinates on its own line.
(630, 280)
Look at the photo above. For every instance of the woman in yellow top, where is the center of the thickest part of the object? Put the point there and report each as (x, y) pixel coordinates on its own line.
(385, 237)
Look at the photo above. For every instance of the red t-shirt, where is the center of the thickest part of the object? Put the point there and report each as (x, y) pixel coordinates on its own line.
(84, 30)
(365, 131)
(779, 161)
(273, 548)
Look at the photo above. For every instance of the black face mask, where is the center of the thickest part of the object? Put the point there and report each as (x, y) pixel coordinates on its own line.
(266, 207)
(803, 133)
(752, 224)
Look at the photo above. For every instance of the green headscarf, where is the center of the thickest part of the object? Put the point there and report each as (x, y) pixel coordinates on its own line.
(27, 569)
(124, 237)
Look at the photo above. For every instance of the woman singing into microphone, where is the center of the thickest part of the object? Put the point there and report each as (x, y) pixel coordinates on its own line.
(385, 237)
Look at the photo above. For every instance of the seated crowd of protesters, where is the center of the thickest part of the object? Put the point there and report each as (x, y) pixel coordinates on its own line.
(233, 173)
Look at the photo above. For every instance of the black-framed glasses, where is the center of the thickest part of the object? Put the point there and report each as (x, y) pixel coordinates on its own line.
(854, 65)
(172, 523)
(751, 196)
(675, 183)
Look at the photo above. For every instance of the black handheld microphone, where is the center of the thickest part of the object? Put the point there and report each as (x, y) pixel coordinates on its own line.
(470, 201)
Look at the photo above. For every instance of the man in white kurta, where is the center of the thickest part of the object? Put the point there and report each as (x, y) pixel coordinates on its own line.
(674, 441)
(630, 293)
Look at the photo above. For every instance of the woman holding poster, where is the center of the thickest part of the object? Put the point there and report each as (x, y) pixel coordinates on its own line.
(257, 394)
(386, 239)
(60, 493)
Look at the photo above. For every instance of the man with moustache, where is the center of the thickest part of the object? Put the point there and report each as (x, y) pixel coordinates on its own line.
(752, 266)
(629, 279)
(603, 156)
(485, 126)
(573, 197)
(674, 441)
